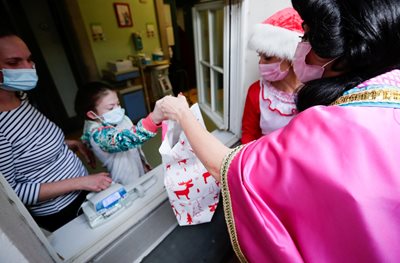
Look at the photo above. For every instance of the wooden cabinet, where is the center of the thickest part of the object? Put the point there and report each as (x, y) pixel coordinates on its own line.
(151, 90)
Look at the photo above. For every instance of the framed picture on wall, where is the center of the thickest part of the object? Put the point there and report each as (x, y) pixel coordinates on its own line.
(123, 14)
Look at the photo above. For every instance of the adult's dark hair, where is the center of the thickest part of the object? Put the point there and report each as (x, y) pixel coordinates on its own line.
(364, 36)
(6, 32)
(88, 95)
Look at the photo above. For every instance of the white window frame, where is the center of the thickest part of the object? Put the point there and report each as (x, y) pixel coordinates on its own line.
(237, 59)
(222, 122)
(235, 45)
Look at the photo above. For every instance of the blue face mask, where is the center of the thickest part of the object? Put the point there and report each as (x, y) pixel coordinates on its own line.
(19, 79)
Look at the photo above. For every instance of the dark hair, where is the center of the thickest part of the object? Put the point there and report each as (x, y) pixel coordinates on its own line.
(88, 95)
(364, 36)
(6, 32)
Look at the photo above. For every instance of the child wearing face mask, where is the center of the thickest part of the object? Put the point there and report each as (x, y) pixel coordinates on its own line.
(112, 136)
(270, 101)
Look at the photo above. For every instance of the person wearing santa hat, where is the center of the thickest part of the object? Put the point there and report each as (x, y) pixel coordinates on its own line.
(325, 187)
(270, 101)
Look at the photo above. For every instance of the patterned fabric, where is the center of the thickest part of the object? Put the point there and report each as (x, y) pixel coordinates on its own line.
(373, 96)
(391, 78)
(381, 91)
(33, 152)
(118, 147)
(277, 108)
(266, 109)
(279, 101)
(112, 140)
(325, 188)
(192, 191)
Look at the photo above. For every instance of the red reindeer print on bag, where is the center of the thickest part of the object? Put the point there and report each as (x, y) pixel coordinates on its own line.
(205, 176)
(189, 219)
(192, 191)
(182, 162)
(186, 191)
(213, 207)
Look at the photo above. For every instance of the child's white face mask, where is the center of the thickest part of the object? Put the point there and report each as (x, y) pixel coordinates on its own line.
(113, 116)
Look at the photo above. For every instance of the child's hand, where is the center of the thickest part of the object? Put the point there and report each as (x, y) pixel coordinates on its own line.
(157, 115)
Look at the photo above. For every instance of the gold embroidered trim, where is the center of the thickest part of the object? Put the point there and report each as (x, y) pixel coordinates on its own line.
(374, 95)
(230, 222)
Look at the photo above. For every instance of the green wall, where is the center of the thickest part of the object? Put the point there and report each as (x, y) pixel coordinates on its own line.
(118, 42)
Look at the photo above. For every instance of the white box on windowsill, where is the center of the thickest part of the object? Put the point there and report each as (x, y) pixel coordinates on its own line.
(119, 65)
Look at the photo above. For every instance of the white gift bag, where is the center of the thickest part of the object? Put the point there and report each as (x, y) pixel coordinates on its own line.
(192, 191)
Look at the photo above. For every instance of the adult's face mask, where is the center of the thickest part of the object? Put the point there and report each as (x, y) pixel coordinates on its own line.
(114, 116)
(19, 79)
(272, 72)
(303, 71)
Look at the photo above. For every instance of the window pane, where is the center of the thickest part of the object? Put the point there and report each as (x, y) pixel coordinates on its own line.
(209, 23)
(206, 84)
(219, 92)
(204, 31)
(218, 37)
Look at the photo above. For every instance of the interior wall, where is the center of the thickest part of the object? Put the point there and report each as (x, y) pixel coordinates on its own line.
(257, 12)
(118, 42)
(167, 15)
(180, 18)
(79, 47)
(46, 34)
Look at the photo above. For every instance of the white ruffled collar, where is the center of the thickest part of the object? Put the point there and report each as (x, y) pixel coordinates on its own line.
(280, 101)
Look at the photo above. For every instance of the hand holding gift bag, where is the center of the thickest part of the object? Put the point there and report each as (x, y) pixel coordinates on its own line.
(192, 191)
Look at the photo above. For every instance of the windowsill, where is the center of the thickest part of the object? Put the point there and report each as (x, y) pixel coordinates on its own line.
(227, 138)
(76, 241)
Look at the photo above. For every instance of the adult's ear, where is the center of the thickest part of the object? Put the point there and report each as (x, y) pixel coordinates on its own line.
(286, 64)
(91, 115)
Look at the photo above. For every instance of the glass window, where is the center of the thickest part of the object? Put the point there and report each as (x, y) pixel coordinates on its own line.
(205, 50)
(219, 92)
(209, 27)
(206, 84)
(218, 37)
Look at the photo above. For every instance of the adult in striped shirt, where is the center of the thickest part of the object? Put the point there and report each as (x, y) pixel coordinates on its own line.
(35, 158)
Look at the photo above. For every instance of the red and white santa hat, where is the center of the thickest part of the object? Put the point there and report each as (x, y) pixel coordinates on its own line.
(278, 35)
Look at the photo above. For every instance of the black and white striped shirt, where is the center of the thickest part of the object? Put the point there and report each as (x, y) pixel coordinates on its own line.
(33, 151)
